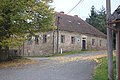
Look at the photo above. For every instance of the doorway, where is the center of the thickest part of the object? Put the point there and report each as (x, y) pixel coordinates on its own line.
(83, 44)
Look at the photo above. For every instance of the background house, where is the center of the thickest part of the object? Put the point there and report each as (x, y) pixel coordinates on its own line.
(116, 13)
(74, 35)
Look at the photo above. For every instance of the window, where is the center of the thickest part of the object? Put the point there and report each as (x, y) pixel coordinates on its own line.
(93, 42)
(62, 38)
(73, 40)
(36, 39)
(44, 38)
(29, 40)
(100, 42)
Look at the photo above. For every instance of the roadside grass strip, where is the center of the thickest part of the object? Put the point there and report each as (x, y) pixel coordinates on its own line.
(101, 71)
(78, 58)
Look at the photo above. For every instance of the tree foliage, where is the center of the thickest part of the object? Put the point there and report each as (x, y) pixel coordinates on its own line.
(19, 17)
(97, 19)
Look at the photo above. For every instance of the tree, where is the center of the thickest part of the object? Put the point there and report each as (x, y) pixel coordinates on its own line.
(97, 19)
(21, 17)
(92, 17)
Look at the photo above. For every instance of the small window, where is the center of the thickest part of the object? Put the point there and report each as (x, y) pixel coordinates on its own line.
(62, 38)
(100, 42)
(93, 42)
(44, 38)
(29, 40)
(36, 39)
(73, 40)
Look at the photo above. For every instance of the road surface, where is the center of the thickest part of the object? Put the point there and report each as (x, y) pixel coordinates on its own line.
(72, 67)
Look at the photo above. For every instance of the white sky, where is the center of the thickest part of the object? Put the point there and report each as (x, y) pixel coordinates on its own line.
(83, 9)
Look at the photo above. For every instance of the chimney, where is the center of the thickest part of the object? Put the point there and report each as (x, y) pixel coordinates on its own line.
(62, 12)
(76, 16)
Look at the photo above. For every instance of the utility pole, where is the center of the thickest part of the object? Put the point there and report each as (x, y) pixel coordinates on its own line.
(118, 50)
(117, 56)
(110, 41)
(58, 22)
(118, 62)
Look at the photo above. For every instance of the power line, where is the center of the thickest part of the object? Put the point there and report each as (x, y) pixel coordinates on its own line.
(75, 6)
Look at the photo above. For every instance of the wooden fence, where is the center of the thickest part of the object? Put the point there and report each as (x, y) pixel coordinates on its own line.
(10, 54)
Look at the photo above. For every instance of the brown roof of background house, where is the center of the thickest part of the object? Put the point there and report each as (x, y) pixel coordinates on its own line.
(76, 24)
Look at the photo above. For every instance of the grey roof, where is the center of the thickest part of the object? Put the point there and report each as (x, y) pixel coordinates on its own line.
(76, 24)
(115, 14)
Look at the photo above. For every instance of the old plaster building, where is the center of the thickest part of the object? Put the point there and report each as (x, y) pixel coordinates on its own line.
(73, 34)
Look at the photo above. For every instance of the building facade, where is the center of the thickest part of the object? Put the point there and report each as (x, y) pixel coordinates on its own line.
(73, 34)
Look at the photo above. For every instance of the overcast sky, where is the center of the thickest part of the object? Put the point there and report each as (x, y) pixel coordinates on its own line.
(83, 9)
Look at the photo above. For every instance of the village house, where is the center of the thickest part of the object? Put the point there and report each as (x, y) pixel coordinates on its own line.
(116, 13)
(72, 34)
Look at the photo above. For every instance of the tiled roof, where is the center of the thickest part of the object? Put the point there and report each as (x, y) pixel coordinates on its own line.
(76, 24)
(115, 14)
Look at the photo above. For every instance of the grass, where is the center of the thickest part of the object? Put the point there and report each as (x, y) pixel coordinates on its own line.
(72, 52)
(65, 53)
(101, 72)
(68, 53)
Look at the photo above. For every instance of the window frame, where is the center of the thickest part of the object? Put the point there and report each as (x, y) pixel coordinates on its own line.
(62, 38)
(44, 38)
(29, 40)
(72, 39)
(36, 39)
(100, 42)
(93, 42)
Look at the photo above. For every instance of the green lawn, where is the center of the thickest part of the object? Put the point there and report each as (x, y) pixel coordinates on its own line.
(101, 72)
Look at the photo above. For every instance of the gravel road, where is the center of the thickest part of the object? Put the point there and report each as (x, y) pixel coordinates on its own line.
(72, 67)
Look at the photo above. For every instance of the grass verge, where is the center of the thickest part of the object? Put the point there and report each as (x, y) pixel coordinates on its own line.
(72, 52)
(68, 53)
(65, 53)
(101, 72)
